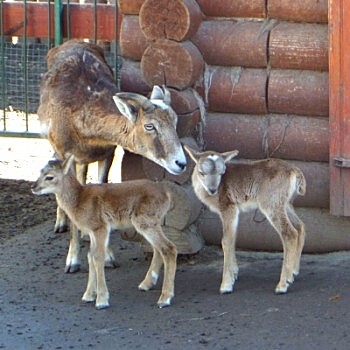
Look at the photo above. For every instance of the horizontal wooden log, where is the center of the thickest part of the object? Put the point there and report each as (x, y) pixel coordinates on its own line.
(231, 43)
(186, 206)
(177, 65)
(186, 106)
(324, 232)
(187, 241)
(127, 7)
(235, 90)
(133, 42)
(170, 19)
(299, 10)
(299, 46)
(281, 136)
(131, 79)
(298, 92)
(237, 8)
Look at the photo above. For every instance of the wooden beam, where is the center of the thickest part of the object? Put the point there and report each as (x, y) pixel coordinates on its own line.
(339, 93)
(81, 20)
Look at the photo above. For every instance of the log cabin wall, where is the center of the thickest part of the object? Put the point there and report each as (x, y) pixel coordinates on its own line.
(259, 66)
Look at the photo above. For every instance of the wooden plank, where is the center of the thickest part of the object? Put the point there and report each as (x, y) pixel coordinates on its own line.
(37, 19)
(339, 90)
(81, 20)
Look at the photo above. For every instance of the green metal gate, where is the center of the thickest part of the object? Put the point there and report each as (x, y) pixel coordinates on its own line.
(27, 31)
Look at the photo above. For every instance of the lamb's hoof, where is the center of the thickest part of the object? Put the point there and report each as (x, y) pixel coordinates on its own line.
(226, 289)
(281, 290)
(102, 306)
(164, 303)
(72, 268)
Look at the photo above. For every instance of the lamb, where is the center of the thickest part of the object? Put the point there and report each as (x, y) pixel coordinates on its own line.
(269, 185)
(82, 113)
(98, 208)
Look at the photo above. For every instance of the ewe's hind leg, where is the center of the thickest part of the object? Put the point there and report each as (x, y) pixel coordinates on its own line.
(153, 272)
(289, 237)
(167, 250)
(228, 242)
(299, 226)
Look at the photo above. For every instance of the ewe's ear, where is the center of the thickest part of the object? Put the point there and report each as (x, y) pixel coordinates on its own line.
(127, 110)
(67, 164)
(192, 153)
(161, 94)
(229, 155)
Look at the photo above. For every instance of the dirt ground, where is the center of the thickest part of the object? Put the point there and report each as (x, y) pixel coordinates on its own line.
(40, 306)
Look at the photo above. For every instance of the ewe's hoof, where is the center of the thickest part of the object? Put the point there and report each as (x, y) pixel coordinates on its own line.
(72, 268)
(61, 229)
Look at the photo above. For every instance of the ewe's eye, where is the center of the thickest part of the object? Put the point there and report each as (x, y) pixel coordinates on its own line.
(49, 178)
(149, 127)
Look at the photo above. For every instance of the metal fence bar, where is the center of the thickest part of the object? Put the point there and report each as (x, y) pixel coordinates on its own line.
(58, 22)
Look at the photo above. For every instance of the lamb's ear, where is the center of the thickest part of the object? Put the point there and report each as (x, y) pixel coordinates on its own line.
(127, 110)
(192, 153)
(67, 164)
(227, 156)
(157, 93)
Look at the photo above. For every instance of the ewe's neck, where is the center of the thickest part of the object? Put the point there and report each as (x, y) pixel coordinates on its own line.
(111, 129)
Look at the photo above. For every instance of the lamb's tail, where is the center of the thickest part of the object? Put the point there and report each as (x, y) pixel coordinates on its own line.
(301, 182)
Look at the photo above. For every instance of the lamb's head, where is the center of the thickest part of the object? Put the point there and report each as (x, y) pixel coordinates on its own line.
(209, 168)
(51, 176)
(154, 128)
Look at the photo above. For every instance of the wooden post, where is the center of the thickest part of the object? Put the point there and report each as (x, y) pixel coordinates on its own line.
(339, 114)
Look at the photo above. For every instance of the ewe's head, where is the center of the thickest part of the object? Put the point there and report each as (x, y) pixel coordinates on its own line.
(153, 128)
(210, 166)
(51, 176)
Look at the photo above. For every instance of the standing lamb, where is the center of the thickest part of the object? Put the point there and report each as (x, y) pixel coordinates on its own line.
(82, 113)
(269, 185)
(98, 208)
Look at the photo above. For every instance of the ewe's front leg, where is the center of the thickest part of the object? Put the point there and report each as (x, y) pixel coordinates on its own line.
(230, 271)
(72, 260)
(61, 224)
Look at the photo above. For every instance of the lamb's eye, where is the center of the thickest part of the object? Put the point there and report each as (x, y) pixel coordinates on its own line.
(49, 178)
(149, 127)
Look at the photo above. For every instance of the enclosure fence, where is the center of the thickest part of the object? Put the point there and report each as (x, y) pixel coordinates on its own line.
(27, 31)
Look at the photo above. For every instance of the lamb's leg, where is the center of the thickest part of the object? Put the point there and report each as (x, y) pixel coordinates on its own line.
(299, 226)
(91, 289)
(153, 272)
(229, 220)
(98, 244)
(289, 237)
(168, 252)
